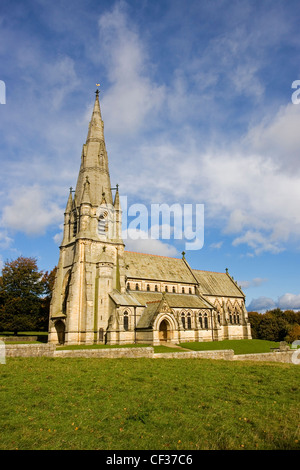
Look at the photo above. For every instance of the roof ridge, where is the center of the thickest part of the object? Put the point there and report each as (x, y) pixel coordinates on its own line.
(151, 254)
(206, 271)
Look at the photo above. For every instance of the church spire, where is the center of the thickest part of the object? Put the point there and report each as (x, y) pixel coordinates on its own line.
(96, 127)
(94, 161)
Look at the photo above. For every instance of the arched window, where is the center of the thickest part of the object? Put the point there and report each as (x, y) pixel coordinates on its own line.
(174, 290)
(190, 290)
(136, 286)
(166, 289)
(128, 285)
(148, 287)
(237, 314)
(205, 321)
(183, 320)
(125, 321)
(156, 288)
(189, 321)
(101, 334)
(219, 317)
(200, 320)
(182, 290)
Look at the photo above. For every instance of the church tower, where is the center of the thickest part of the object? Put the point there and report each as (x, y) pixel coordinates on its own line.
(91, 261)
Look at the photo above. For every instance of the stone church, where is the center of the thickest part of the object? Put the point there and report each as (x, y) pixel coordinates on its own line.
(105, 294)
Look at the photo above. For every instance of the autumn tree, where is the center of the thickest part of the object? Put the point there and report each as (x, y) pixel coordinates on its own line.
(254, 319)
(294, 333)
(275, 325)
(21, 290)
(48, 281)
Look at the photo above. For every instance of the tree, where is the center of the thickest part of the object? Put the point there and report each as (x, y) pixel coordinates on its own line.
(254, 319)
(294, 333)
(21, 291)
(272, 327)
(48, 281)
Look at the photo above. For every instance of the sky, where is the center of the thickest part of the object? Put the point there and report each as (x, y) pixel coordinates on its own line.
(200, 107)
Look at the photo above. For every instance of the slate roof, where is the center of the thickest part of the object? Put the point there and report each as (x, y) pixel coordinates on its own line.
(125, 299)
(219, 284)
(148, 315)
(161, 268)
(154, 267)
(174, 300)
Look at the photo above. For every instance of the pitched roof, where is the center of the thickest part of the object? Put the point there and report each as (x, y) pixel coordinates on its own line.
(125, 299)
(220, 284)
(154, 267)
(148, 315)
(174, 300)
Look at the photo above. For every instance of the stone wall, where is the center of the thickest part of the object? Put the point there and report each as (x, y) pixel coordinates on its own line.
(49, 350)
(18, 339)
(106, 353)
(218, 354)
(280, 356)
(29, 350)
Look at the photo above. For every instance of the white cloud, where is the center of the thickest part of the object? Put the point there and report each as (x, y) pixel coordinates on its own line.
(60, 76)
(132, 96)
(216, 245)
(5, 240)
(140, 241)
(284, 302)
(258, 242)
(277, 136)
(261, 304)
(59, 236)
(30, 211)
(246, 196)
(289, 301)
(256, 282)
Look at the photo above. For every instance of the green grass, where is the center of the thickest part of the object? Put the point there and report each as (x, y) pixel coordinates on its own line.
(136, 404)
(42, 336)
(166, 349)
(239, 346)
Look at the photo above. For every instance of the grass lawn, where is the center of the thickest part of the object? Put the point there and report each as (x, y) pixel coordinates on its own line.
(136, 404)
(240, 346)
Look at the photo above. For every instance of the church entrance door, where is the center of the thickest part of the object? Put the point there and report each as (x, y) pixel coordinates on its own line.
(164, 331)
(60, 329)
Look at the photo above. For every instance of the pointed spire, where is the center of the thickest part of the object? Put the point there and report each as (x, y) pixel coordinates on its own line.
(94, 161)
(86, 199)
(117, 198)
(96, 126)
(70, 202)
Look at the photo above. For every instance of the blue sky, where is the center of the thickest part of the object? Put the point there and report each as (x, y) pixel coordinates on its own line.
(196, 102)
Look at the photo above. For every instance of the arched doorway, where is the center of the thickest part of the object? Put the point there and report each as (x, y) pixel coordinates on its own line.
(60, 330)
(164, 331)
